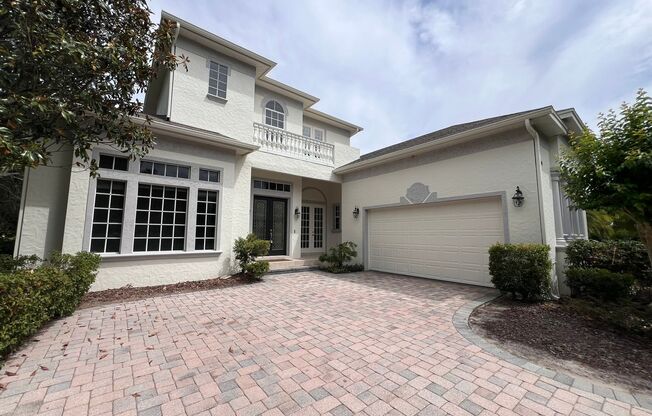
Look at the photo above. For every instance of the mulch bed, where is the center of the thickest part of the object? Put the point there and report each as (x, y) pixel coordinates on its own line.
(553, 335)
(130, 293)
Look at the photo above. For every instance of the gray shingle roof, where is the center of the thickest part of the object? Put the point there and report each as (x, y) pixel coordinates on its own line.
(440, 134)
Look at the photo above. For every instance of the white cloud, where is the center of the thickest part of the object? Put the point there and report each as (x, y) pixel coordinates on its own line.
(401, 69)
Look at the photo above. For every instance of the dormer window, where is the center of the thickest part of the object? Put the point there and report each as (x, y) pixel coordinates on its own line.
(217, 78)
(274, 114)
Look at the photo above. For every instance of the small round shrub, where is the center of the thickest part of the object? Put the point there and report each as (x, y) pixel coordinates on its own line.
(257, 269)
(521, 269)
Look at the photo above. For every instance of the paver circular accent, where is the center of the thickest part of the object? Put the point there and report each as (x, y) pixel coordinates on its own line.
(461, 323)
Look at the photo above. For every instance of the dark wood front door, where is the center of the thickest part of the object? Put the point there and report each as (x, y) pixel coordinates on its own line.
(270, 222)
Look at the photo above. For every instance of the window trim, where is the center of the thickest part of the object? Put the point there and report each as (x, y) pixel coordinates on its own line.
(228, 73)
(133, 177)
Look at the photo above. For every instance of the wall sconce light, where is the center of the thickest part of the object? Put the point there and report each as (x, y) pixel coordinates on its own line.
(356, 212)
(297, 213)
(518, 198)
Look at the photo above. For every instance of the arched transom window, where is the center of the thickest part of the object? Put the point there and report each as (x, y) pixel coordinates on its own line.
(274, 114)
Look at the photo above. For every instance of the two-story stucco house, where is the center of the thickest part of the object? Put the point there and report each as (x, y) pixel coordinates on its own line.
(238, 152)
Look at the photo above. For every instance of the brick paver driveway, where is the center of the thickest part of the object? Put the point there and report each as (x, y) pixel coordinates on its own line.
(308, 342)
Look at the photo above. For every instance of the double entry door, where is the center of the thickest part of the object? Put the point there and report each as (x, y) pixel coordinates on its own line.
(313, 221)
(270, 222)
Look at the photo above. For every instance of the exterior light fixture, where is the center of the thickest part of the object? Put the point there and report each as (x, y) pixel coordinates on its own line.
(518, 198)
(297, 213)
(356, 212)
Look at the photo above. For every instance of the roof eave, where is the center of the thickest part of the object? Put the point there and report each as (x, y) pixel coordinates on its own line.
(204, 137)
(334, 121)
(459, 137)
(263, 65)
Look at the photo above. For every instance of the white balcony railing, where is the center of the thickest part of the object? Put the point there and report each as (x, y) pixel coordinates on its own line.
(281, 142)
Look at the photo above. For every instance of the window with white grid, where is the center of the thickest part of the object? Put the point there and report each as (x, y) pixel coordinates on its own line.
(206, 228)
(217, 79)
(108, 210)
(160, 218)
(274, 114)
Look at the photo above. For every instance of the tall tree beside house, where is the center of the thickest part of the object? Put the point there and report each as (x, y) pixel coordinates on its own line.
(611, 169)
(69, 70)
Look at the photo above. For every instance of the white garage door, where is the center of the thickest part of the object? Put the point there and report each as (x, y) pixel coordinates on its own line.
(447, 241)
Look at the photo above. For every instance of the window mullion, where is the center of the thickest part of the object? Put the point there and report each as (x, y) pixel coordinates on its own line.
(191, 219)
(129, 217)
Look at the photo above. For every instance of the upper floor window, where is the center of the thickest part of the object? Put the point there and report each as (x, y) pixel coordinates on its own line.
(217, 80)
(274, 114)
(313, 133)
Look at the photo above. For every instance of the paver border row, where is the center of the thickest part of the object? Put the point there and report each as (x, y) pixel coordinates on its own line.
(461, 324)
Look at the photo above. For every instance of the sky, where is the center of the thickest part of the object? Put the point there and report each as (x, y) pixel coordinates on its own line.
(401, 69)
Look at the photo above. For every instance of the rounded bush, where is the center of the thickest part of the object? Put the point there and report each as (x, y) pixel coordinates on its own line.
(521, 269)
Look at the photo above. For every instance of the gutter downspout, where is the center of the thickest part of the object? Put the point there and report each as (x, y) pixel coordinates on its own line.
(537, 161)
(171, 81)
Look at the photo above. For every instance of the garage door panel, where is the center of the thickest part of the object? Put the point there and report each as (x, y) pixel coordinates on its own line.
(441, 241)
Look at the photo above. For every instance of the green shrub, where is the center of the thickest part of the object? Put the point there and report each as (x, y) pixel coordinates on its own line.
(521, 269)
(31, 297)
(246, 250)
(257, 269)
(624, 256)
(9, 264)
(599, 283)
(338, 256)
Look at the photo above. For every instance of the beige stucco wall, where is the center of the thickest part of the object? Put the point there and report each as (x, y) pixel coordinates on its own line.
(43, 208)
(496, 163)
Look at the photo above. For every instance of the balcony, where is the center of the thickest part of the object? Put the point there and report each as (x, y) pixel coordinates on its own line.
(280, 142)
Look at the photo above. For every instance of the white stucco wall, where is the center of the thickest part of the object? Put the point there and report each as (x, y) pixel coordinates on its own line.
(232, 117)
(43, 209)
(293, 109)
(332, 134)
(157, 269)
(492, 164)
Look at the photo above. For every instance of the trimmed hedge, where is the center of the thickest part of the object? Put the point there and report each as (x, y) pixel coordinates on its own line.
(521, 269)
(616, 256)
(599, 283)
(30, 297)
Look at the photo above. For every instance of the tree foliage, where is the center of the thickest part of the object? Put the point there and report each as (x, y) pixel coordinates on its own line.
(611, 170)
(69, 70)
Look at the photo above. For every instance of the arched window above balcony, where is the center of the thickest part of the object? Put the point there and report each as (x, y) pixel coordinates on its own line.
(274, 114)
